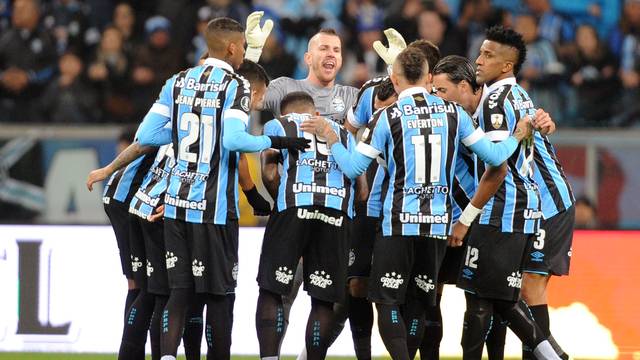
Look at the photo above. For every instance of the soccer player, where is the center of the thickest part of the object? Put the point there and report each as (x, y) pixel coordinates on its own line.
(117, 194)
(416, 212)
(491, 273)
(454, 80)
(204, 112)
(324, 59)
(314, 207)
(374, 94)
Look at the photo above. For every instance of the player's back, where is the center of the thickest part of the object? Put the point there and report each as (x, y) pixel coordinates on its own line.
(516, 205)
(311, 177)
(420, 154)
(555, 191)
(203, 183)
(153, 187)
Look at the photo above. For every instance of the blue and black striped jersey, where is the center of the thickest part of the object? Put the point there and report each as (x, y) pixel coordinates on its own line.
(311, 177)
(464, 186)
(420, 136)
(516, 205)
(555, 190)
(358, 117)
(124, 183)
(203, 184)
(151, 192)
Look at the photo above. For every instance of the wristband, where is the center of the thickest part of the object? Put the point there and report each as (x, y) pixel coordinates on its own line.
(469, 215)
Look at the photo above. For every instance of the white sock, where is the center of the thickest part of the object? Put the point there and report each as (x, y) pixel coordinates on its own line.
(168, 357)
(303, 354)
(543, 351)
(267, 358)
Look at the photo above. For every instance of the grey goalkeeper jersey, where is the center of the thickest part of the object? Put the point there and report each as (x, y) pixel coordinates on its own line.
(332, 103)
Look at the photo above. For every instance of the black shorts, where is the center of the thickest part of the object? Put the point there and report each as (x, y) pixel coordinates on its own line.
(321, 236)
(157, 278)
(549, 252)
(202, 255)
(118, 214)
(138, 252)
(492, 263)
(364, 233)
(450, 267)
(405, 263)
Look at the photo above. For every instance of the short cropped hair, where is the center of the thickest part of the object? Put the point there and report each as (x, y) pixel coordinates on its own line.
(296, 98)
(430, 51)
(510, 38)
(457, 68)
(385, 90)
(253, 72)
(412, 62)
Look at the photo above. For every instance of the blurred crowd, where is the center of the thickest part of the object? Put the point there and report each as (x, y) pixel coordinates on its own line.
(104, 61)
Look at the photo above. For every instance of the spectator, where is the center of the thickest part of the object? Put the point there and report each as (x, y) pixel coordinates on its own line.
(124, 19)
(541, 69)
(275, 59)
(629, 24)
(69, 22)
(198, 43)
(68, 99)
(552, 26)
(436, 28)
(405, 19)
(27, 62)
(473, 23)
(110, 71)
(232, 9)
(586, 217)
(154, 63)
(594, 77)
(363, 64)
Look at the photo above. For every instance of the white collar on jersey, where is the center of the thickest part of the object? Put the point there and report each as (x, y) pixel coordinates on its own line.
(412, 91)
(486, 90)
(218, 63)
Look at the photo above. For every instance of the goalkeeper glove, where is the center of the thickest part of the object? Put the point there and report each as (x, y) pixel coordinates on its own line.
(256, 35)
(396, 45)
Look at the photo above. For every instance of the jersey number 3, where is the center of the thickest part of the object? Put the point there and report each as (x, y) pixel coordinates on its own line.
(420, 157)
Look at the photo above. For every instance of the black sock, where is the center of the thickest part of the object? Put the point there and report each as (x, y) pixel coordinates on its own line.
(477, 323)
(319, 329)
(413, 315)
(361, 322)
(193, 327)
(541, 316)
(269, 323)
(132, 294)
(173, 318)
(340, 316)
(156, 325)
(430, 345)
(496, 337)
(393, 331)
(520, 321)
(134, 335)
(218, 328)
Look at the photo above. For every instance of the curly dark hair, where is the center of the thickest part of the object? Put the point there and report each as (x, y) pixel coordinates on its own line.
(412, 62)
(510, 38)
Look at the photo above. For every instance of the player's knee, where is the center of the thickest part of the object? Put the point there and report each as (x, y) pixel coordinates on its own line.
(534, 288)
(358, 287)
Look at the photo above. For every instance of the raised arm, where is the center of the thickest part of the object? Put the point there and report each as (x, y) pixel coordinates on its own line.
(127, 156)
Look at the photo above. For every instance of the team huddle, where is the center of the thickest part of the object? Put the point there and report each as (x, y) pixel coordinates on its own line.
(440, 173)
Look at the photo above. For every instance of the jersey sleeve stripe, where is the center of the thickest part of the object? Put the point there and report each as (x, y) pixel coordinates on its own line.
(475, 136)
(498, 135)
(160, 109)
(351, 118)
(367, 150)
(235, 113)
